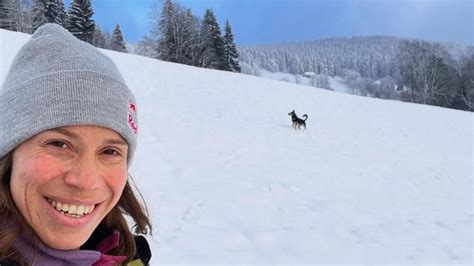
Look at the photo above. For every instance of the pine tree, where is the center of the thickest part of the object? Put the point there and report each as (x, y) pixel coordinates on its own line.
(5, 22)
(231, 56)
(212, 45)
(79, 21)
(11, 15)
(60, 13)
(55, 13)
(48, 11)
(167, 40)
(117, 43)
(40, 14)
(6, 9)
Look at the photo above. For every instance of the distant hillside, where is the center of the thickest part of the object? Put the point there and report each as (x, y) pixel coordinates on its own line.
(372, 57)
(376, 66)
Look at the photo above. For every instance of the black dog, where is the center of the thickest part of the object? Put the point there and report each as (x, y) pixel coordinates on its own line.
(297, 122)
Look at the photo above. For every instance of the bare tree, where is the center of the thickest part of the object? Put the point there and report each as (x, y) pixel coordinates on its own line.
(15, 15)
(147, 47)
(466, 73)
(427, 73)
(99, 38)
(321, 81)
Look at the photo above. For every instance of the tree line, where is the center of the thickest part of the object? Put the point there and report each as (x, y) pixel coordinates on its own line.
(429, 74)
(178, 36)
(27, 16)
(383, 67)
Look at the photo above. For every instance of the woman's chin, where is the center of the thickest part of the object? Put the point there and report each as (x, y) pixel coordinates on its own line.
(64, 242)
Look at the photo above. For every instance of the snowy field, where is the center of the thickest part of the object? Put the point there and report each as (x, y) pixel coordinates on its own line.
(336, 83)
(228, 181)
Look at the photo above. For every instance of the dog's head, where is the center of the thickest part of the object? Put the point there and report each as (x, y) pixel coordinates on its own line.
(292, 113)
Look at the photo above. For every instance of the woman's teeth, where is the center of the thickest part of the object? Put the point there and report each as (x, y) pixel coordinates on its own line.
(75, 211)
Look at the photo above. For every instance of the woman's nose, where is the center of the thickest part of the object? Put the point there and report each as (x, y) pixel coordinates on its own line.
(84, 175)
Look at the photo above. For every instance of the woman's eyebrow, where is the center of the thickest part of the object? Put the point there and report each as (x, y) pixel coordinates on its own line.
(75, 136)
(66, 132)
(116, 141)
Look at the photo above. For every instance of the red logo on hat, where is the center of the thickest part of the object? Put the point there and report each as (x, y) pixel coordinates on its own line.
(132, 106)
(132, 114)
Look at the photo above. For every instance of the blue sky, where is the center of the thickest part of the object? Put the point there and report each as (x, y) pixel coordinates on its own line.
(275, 21)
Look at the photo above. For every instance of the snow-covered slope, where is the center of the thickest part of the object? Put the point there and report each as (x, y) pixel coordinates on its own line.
(227, 179)
(335, 83)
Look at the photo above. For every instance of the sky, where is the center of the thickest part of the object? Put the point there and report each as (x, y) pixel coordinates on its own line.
(276, 21)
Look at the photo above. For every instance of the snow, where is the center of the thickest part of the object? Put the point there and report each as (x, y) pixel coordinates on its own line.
(228, 181)
(131, 47)
(337, 83)
(281, 76)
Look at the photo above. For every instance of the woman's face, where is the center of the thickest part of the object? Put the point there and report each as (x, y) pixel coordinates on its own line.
(64, 182)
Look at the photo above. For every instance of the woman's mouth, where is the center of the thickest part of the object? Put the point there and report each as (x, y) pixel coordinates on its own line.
(71, 210)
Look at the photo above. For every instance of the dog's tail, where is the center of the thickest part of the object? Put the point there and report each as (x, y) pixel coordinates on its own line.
(305, 116)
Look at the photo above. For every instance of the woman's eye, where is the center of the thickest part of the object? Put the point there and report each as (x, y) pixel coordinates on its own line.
(112, 152)
(58, 144)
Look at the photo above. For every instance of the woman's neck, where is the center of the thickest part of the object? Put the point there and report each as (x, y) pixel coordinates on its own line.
(37, 253)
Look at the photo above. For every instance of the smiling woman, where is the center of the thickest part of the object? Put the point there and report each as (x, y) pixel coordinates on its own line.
(68, 136)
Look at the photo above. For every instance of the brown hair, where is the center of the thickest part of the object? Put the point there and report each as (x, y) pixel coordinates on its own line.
(128, 204)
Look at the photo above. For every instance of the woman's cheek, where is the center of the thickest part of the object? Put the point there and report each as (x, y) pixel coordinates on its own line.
(116, 181)
(45, 168)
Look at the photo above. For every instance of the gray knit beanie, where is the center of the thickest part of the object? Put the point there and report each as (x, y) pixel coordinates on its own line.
(57, 80)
